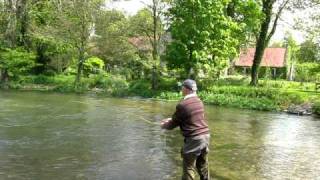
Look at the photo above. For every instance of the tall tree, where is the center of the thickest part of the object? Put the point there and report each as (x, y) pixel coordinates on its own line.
(292, 51)
(247, 15)
(309, 51)
(14, 27)
(202, 36)
(16, 13)
(77, 26)
(157, 8)
(310, 24)
(264, 33)
(111, 42)
(153, 29)
(52, 49)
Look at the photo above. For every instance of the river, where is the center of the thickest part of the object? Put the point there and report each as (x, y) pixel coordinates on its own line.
(67, 136)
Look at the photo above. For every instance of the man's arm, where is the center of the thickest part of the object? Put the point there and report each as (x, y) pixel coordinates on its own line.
(171, 123)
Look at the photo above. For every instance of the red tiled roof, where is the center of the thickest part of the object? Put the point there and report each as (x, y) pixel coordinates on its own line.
(141, 43)
(273, 57)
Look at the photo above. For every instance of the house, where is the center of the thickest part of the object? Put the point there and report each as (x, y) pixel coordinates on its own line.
(144, 43)
(274, 58)
(141, 43)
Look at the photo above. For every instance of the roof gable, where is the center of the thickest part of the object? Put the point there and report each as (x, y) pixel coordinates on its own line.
(273, 57)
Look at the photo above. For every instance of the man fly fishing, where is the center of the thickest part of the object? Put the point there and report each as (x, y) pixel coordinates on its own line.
(189, 115)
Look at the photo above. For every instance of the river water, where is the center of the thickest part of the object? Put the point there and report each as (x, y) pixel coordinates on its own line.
(56, 136)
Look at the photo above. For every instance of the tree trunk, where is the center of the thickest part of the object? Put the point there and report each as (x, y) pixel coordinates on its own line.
(291, 75)
(17, 27)
(261, 43)
(80, 67)
(4, 76)
(191, 71)
(22, 23)
(79, 74)
(10, 33)
(155, 46)
(231, 9)
(154, 78)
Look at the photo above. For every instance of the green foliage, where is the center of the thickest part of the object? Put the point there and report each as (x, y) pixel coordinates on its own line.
(270, 95)
(202, 38)
(247, 15)
(141, 22)
(247, 97)
(41, 79)
(309, 51)
(286, 85)
(306, 72)
(232, 80)
(71, 70)
(111, 40)
(283, 85)
(3, 22)
(141, 88)
(65, 84)
(52, 54)
(93, 65)
(316, 107)
(16, 61)
(239, 101)
(169, 96)
(113, 85)
(168, 84)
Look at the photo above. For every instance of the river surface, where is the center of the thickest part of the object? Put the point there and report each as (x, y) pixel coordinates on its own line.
(46, 136)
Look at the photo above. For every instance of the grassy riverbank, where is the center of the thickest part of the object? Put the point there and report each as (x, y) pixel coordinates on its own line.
(232, 92)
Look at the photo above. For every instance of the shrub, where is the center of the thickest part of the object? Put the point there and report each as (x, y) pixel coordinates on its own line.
(316, 107)
(70, 71)
(93, 65)
(168, 84)
(169, 96)
(41, 79)
(239, 101)
(117, 86)
(16, 61)
(308, 72)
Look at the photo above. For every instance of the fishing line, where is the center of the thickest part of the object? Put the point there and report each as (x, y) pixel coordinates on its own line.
(139, 117)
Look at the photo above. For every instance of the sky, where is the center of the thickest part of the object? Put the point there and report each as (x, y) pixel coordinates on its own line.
(130, 7)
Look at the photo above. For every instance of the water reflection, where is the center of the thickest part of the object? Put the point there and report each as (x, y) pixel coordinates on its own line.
(38, 144)
(54, 136)
(291, 149)
(259, 145)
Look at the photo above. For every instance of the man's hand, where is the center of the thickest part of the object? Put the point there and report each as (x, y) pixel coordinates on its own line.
(165, 122)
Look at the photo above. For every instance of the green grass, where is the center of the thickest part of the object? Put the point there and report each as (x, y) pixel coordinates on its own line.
(270, 95)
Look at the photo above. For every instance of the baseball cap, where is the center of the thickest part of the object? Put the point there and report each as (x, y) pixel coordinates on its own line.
(190, 84)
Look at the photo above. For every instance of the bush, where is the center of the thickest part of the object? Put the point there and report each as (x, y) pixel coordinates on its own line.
(316, 107)
(282, 84)
(16, 61)
(259, 98)
(93, 65)
(65, 83)
(168, 84)
(70, 71)
(49, 72)
(239, 101)
(117, 86)
(169, 96)
(308, 72)
(41, 79)
(232, 80)
(113, 85)
(139, 85)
